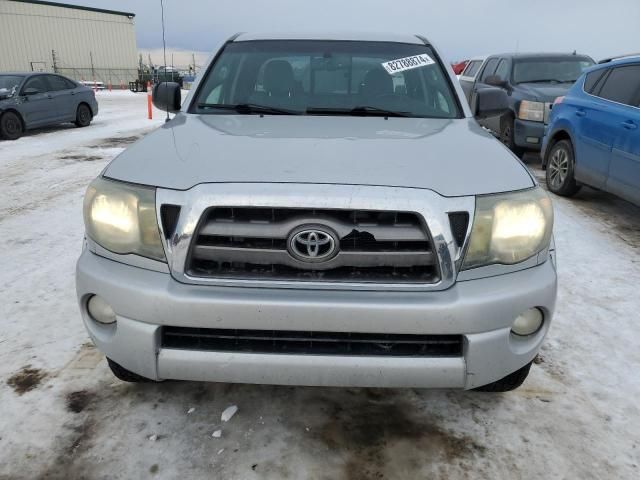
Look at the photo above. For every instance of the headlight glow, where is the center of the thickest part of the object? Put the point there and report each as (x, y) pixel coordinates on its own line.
(509, 228)
(122, 218)
(533, 111)
(113, 213)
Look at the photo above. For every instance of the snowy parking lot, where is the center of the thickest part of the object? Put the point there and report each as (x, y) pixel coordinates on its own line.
(63, 414)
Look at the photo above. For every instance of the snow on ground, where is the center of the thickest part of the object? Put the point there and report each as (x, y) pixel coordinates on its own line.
(64, 416)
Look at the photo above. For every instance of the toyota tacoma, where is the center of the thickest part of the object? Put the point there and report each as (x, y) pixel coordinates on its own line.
(321, 210)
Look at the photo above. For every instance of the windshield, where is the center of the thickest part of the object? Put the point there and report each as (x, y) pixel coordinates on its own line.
(305, 77)
(9, 84)
(554, 69)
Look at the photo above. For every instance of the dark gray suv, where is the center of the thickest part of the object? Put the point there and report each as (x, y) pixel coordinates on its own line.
(532, 82)
(32, 100)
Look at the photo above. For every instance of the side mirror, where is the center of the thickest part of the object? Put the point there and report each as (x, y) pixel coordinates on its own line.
(491, 102)
(167, 96)
(496, 81)
(30, 91)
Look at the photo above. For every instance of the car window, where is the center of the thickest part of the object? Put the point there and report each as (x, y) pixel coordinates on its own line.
(9, 84)
(310, 77)
(622, 85)
(503, 70)
(38, 83)
(592, 80)
(472, 68)
(57, 83)
(489, 69)
(558, 69)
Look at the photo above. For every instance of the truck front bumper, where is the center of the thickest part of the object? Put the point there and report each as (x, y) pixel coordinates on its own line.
(481, 310)
(528, 134)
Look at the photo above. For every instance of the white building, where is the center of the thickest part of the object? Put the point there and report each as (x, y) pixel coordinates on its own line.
(81, 42)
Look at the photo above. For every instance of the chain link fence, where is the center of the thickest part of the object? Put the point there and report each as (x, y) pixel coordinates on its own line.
(117, 77)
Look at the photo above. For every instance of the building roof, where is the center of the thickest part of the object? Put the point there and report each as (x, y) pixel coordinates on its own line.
(77, 7)
(346, 36)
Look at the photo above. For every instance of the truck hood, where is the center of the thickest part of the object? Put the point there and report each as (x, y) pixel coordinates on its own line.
(543, 92)
(450, 157)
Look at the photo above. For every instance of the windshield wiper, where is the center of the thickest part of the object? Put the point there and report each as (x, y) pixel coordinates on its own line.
(248, 108)
(363, 110)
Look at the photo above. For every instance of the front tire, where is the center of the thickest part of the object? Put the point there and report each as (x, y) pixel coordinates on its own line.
(507, 129)
(126, 375)
(560, 173)
(83, 116)
(11, 127)
(508, 383)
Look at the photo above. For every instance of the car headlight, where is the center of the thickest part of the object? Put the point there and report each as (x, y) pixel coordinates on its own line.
(122, 218)
(533, 111)
(509, 228)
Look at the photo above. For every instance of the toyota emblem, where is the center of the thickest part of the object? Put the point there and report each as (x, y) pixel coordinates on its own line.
(313, 244)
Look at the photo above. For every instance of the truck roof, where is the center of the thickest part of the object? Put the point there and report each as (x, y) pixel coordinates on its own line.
(345, 36)
(538, 55)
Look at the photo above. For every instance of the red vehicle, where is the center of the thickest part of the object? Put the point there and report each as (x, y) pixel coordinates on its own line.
(459, 67)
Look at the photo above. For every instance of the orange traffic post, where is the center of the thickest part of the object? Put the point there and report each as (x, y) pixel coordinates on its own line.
(149, 102)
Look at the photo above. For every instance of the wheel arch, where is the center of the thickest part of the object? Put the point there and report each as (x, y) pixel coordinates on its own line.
(83, 102)
(17, 112)
(555, 137)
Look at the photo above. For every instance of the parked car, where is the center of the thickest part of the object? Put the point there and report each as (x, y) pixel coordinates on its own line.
(593, 136)
(33, 100)
(468, 76)
(532, 83)
(458, 67)
(316, 214)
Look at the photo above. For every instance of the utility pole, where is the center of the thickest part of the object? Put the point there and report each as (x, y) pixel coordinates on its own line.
(54, 61)
(193, 59)
(93, 70)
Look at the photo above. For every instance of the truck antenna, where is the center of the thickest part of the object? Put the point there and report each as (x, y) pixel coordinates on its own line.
(164, 51)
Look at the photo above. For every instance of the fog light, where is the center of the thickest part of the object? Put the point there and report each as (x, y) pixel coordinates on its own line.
(528, 323)
(100, 310)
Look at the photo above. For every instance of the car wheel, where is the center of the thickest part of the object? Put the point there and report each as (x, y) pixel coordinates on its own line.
(508, 383)
(10, 126)
(83, 116)
(507, 135)
(560, 169)
(125, 375)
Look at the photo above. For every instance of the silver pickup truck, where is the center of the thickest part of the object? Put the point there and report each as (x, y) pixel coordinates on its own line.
(322, 210)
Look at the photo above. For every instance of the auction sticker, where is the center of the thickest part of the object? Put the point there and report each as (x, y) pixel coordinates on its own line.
(408, 63)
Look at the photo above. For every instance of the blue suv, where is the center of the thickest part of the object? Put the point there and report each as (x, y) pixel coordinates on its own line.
(593, 137)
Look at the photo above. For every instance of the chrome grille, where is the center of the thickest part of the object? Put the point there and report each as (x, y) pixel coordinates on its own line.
(252, 243)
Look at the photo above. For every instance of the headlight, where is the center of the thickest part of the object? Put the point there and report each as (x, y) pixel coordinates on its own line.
(533, 111)
(122, 218)
(509, 228)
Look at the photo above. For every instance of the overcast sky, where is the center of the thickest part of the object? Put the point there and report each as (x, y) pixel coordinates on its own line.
(460, 28)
